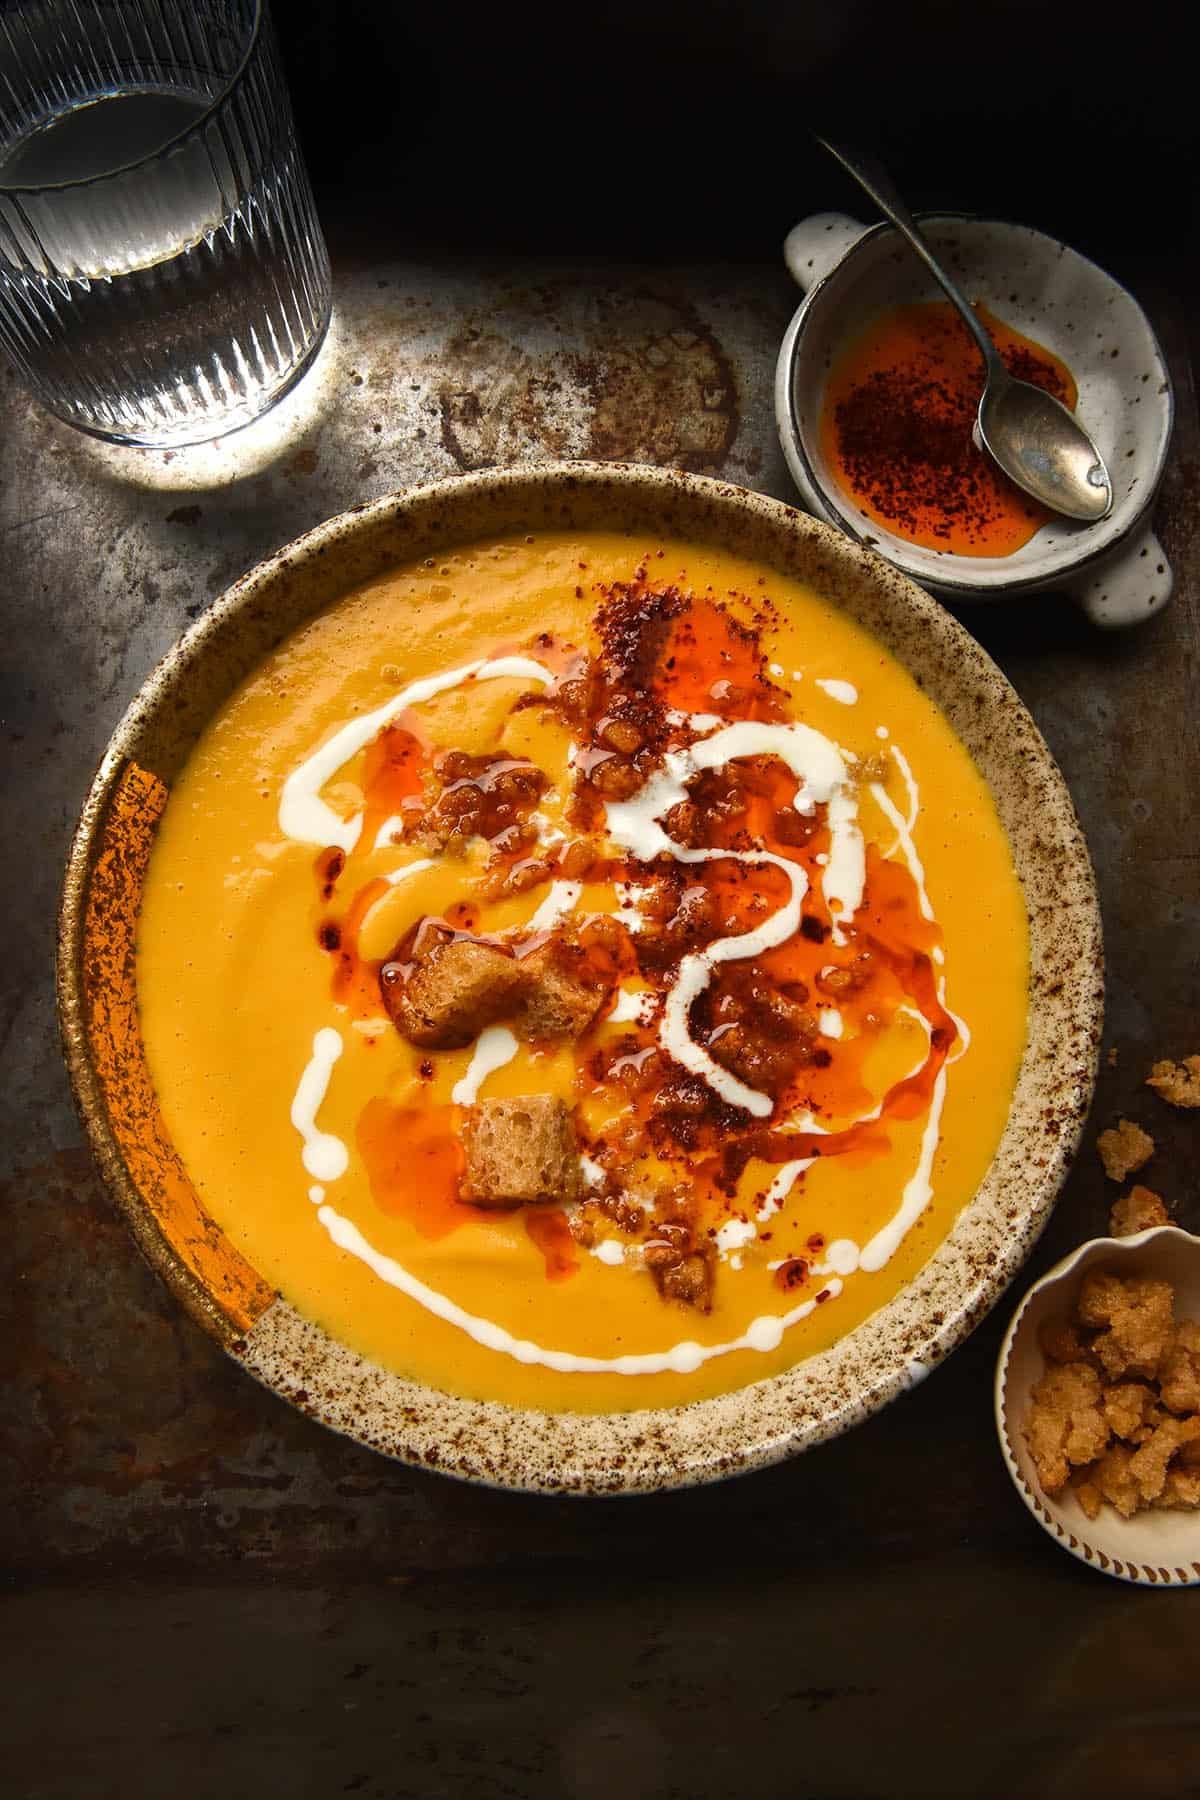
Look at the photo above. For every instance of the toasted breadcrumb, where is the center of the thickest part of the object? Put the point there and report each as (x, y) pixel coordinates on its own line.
(1177, 1082)
(1060, 1341)
(1127, 1406)
(1087, 1493)
(1130, 1443)
(1189, 1454)
(1148, 1464)
(1139, 1317)
(1111, 1058)
(1181, 1488)
(1179, 1375)
(1066, 1425)
(1115, 1483)
(1137, 1210)
(1124, 1148)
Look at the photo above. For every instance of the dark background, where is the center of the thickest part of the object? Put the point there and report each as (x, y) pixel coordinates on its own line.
(658, 128)
(207, 1594)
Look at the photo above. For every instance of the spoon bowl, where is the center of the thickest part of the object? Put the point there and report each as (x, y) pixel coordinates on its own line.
(1041, 446)
(1037, 442)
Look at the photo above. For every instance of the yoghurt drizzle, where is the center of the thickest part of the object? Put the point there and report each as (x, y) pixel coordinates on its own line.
(823, 778)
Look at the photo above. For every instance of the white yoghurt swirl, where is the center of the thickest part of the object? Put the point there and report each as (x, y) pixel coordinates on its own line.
(824, 779)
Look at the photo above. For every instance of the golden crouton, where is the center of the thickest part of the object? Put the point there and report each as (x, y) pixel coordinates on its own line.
(1139, 1314)
(454, 991)
(1066, 1425)
(1137, 1210)
(562, 997)
(520, 1152)
(1177, 1082)
(1124, 1149)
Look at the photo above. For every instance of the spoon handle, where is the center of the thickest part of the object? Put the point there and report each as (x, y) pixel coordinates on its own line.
(875, 181)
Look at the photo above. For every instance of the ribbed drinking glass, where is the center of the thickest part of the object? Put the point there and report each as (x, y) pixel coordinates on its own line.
(163, 278)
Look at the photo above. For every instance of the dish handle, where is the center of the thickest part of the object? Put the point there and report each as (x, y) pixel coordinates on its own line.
(818, 244)
(1128, 587)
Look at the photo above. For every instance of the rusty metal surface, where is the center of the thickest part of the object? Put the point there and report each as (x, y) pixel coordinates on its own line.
(148, 1488)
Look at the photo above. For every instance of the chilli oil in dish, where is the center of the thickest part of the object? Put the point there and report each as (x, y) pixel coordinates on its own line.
(897, 421)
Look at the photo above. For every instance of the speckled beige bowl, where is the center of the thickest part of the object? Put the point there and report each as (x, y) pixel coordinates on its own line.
(634, 1451)
(1158, 1549)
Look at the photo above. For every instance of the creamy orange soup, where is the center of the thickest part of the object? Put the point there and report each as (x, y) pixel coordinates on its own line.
(760, 874)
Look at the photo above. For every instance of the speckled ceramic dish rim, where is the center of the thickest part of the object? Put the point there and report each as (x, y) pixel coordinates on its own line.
(642, 1450)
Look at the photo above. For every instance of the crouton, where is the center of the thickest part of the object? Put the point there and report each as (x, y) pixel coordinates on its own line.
(453, 992)
(1177, 1082)
(520, 1152)
(1124, 1149)
(562, 995)
(1137, 1210)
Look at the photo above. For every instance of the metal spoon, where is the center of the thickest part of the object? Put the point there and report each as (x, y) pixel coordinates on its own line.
(1037, 442)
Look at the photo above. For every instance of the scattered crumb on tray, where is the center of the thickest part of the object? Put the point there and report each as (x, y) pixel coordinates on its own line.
(1177, 1082)
(1124, 1148)
(1116, 1415)
(1138, 1210)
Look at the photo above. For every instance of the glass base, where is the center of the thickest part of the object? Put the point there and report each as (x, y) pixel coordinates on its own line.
(198, 431)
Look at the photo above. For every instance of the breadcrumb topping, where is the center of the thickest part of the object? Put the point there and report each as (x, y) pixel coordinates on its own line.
(1116, 1416)
(1139, 1210)
(1124, 1148)
(1178, 1083)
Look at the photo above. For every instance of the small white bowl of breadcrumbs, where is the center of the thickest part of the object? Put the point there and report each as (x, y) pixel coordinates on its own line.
(1098, 1380)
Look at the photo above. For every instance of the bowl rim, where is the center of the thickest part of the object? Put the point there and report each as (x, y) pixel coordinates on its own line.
(1067, 568)
(642, 1450)
(1120, 1569)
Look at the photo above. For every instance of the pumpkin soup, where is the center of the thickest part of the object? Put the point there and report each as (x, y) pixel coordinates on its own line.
(583, 973)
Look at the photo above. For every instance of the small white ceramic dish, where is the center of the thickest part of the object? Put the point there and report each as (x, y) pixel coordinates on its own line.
(1158, 1549)
(1115, 569)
